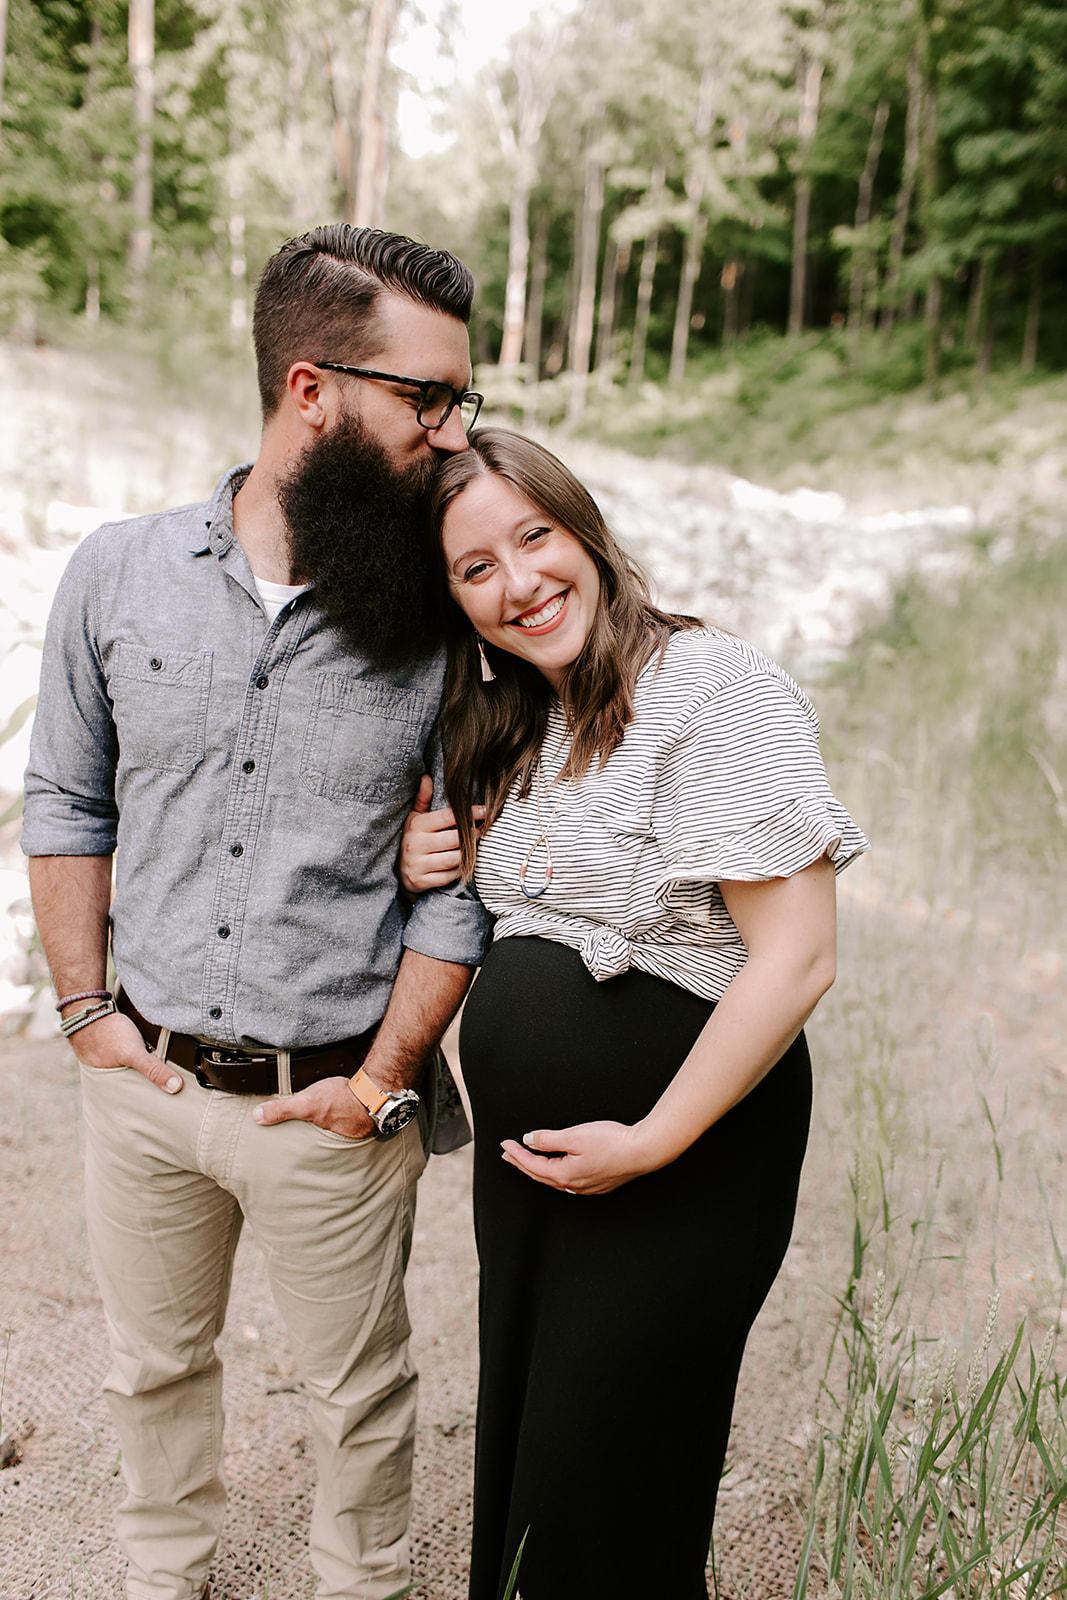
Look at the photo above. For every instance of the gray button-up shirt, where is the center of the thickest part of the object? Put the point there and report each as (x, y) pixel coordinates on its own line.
(252, 780)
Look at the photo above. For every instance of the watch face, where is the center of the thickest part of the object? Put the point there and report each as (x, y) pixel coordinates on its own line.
(396, 1114)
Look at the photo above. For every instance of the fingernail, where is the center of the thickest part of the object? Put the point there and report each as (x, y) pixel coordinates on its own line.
(173, 1085)
(526, 1139)
(257, 1115)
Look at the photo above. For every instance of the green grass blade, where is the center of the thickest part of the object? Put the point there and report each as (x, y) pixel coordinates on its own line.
(513, 1576)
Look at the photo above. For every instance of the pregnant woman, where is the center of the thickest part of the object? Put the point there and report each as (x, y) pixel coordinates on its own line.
(659, 847)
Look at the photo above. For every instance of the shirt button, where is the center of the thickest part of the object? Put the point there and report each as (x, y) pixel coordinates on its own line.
(248, 766)
(237, 849)
(224, 932)
(216, 1012)
(156, 664)
(262, 682)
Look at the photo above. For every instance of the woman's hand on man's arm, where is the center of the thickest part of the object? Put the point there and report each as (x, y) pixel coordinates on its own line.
(429, 847)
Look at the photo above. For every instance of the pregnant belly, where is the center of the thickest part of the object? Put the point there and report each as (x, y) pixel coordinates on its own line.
(543, 1044)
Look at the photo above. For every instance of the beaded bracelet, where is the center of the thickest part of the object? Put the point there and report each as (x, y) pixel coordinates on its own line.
(83, 994)
(82, 1019)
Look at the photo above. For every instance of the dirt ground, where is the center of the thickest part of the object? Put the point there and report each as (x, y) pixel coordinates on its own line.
(901, 1045)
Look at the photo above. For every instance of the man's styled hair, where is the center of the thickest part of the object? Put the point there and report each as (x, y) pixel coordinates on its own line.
(317, 296)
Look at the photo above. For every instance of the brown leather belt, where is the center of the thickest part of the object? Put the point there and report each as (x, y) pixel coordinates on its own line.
(218, 1066)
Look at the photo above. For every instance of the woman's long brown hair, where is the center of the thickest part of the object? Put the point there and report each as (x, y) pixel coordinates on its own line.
(494, 731)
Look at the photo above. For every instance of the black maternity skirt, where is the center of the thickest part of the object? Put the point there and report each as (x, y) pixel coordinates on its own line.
(612, 1327)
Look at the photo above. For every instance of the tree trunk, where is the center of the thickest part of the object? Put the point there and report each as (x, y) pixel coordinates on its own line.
(92, 64)
(342, 134)
(1033, 312)
(729, 282)
(563, 329)
(809, 116)
(238, 262)
(749, 270)
(293, 130)
(519, 145)
(92, 290)
(643, 313)
(861, 254)
(984, 364)
(905, 194)
(368, 206)
(518, 265)
(691, 262)
(3, 60)
(695, 230)
(535, 311)
(592, 208)
(623, 253)
(976, 304)
(605, 322)
(141, 41)
(92, 71)
(934, 295)
(1001, 302)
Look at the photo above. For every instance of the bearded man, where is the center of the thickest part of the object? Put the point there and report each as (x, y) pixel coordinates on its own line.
(238, 700)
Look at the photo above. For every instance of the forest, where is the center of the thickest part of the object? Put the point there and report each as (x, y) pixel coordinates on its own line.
(638, 185)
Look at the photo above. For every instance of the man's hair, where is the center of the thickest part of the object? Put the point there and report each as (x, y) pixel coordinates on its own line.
(317, 297)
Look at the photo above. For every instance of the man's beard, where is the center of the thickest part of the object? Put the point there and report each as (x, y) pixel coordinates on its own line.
(359, 531)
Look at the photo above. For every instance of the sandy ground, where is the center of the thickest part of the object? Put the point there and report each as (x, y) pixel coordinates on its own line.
(922, 1022)
(58, 1501)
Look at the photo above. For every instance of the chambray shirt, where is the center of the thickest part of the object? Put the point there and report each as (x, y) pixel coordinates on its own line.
(251, 779)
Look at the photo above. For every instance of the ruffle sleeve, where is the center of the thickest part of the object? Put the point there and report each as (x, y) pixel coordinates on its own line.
(805, 831)
(743, 796)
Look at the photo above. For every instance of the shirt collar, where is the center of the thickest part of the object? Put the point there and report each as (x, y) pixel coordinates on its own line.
(218, 520)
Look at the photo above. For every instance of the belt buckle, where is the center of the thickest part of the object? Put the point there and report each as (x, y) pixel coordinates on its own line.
(220, 1056)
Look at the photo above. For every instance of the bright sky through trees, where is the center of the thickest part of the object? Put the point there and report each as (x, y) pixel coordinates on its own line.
(481, 34)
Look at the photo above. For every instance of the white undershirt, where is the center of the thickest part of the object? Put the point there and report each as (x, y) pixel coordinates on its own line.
(276, 595)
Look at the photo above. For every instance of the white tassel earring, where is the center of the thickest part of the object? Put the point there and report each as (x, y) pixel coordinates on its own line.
(488, 675)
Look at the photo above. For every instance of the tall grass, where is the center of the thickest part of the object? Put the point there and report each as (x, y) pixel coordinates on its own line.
(933, 1475)
(940, 1458)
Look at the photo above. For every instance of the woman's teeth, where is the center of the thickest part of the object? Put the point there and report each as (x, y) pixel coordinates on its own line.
(538, 618)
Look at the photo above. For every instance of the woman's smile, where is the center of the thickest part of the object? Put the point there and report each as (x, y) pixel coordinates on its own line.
(525, 582)
(545, 617)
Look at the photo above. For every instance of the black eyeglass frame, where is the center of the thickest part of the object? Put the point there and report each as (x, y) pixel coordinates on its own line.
(423, 385)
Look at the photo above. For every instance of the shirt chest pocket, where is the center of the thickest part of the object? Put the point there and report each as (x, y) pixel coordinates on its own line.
(364, 740)
(160, 699)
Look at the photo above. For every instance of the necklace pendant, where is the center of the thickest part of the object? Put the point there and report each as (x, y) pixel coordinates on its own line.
(542, 840)
(535, 894)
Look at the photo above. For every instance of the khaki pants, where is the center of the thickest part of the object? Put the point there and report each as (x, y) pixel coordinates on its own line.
(169, 1180)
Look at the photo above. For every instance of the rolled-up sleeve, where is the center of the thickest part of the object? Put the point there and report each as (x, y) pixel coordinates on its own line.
(449, 924)
(70, 780)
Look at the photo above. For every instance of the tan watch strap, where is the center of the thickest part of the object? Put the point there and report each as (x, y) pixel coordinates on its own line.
(367, 1092)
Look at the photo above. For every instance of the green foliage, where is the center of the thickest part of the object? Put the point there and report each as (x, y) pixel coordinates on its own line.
(255, 134)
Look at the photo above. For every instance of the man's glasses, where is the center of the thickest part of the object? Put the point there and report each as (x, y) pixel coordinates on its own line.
(438, 401)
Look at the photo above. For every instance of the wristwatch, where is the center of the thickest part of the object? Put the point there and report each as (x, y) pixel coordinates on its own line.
(389, 1109)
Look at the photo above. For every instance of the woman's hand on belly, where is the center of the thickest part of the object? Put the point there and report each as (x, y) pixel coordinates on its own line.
(590, 1158)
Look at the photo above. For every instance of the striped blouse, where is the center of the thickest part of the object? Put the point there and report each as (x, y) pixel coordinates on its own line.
(718, 778)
